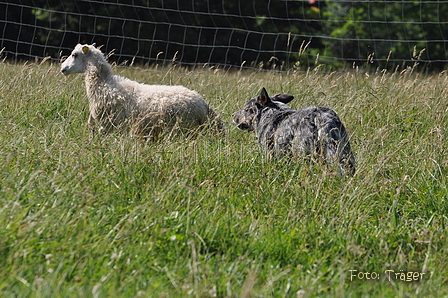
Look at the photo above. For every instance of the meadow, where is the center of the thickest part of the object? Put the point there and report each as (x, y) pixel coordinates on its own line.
(211, 216)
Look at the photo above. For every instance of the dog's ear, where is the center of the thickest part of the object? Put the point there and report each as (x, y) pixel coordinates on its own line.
(264, 98)
(285, 98)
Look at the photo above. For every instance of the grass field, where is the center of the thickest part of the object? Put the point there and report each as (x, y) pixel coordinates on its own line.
(212, 217)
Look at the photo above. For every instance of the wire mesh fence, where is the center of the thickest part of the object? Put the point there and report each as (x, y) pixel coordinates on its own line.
(275, 34)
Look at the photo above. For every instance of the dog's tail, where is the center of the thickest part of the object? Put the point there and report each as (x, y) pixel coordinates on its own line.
(333, 142)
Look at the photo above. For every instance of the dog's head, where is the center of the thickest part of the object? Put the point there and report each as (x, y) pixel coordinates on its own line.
(244, 119)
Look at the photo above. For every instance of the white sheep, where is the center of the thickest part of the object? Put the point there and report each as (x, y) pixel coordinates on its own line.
(144, 110)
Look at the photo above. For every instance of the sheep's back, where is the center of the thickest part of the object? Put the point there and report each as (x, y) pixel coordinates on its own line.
(167, 106)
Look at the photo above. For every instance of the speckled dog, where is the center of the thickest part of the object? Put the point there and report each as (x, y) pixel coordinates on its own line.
(313, 130)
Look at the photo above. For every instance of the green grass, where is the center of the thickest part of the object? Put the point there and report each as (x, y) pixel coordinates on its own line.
(211, 216)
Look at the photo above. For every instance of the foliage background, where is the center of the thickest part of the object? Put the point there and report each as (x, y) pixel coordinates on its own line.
(268, 34)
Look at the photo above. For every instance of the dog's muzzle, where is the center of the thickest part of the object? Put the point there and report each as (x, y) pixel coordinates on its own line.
(243, 126)
(240, 124)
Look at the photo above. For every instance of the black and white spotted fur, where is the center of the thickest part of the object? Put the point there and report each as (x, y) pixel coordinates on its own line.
(313, 130)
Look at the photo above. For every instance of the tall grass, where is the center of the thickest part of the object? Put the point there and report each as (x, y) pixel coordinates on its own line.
(210, 216)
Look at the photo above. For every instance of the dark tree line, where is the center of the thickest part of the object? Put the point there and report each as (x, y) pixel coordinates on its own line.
(233, 32)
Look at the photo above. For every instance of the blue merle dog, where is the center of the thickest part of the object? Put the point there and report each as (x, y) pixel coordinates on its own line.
(314, 130)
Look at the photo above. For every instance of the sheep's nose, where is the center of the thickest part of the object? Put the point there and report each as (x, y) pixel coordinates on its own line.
(65, 69)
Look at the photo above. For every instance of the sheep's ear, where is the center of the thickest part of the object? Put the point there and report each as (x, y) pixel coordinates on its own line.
(264, 98)
(285, 98)
(85, 49)
(94, 44)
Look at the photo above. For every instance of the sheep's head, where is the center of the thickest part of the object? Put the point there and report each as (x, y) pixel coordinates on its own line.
(77, 60)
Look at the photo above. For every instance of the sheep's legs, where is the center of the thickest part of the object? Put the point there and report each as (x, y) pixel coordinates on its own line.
(91, 125)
